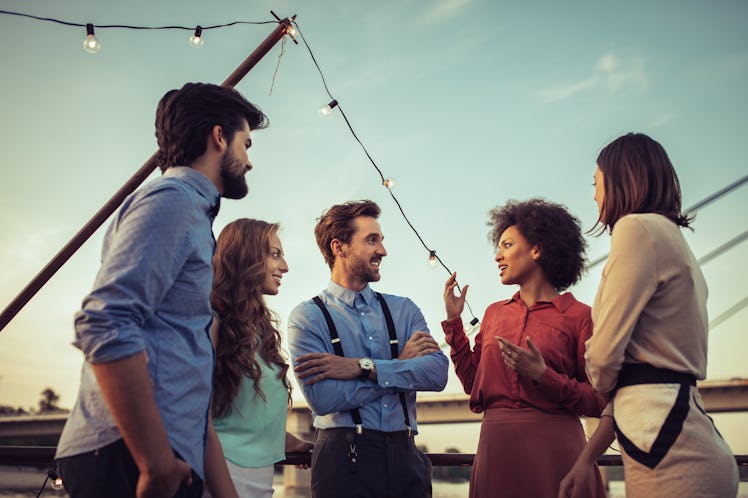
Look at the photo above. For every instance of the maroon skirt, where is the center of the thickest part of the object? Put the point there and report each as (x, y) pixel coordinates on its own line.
(525, 452)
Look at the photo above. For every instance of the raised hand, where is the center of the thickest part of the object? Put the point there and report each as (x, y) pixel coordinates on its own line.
(452, 303)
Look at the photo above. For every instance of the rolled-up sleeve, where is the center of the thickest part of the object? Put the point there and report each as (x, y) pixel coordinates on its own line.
(135, 274)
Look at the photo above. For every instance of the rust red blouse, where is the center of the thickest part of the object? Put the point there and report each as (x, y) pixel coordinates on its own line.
(559, 329)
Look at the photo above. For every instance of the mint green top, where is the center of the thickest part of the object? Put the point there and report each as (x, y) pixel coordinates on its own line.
(254, 433)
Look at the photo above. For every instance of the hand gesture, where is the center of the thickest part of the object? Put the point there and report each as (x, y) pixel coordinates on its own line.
(314, 367)
(528, 362)
(296, 445)
(419, 344)
(164, 481)
(454, 304)
(573, 485)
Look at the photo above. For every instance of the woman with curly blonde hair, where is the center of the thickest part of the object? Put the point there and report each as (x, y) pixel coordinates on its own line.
(251, 393)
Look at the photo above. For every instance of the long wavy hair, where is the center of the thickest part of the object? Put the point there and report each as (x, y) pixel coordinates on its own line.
(247, 329)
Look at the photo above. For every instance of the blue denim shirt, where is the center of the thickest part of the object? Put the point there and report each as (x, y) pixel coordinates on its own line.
(152, 294)
(363, 332)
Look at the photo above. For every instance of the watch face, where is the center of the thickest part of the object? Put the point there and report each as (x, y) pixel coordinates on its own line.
(366, 363)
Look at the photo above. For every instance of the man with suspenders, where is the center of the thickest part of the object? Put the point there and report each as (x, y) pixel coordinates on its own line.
(360, 357)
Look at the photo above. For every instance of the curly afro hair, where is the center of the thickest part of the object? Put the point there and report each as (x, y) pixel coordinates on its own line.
(551, 227)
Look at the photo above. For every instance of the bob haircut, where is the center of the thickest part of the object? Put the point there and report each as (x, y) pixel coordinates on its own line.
(550, 227)
(337, 223)
(638, 178)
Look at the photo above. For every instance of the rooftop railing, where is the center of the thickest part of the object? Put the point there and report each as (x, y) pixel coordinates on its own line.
(44, 456)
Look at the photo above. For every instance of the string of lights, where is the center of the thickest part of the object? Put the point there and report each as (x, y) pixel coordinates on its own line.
(388, 183)
(92, 45)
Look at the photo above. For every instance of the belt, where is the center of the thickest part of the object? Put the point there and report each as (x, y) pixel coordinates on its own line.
(349, 433)
(644, 373)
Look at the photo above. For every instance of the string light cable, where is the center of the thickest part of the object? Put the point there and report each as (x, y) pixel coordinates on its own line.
(91, 44)
(388, 183)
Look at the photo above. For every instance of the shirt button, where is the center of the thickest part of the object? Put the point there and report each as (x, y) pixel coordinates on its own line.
(371, 338)
(385, 405)
(386, 382)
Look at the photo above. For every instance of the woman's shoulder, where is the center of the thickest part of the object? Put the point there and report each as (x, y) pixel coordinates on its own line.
(650, 222)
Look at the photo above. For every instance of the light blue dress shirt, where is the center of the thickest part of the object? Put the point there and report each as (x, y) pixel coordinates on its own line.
(152, 294)
(359, 319)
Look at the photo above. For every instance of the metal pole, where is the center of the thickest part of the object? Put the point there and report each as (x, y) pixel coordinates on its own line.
(111, 206)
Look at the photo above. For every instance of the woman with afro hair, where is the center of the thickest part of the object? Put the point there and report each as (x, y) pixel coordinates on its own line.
(526, 371)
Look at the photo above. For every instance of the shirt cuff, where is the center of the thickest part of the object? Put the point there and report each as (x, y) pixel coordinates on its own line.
(551, 383)
(385, 373)
(453, 331)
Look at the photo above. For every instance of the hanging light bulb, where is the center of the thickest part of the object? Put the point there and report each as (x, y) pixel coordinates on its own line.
(196, 40)
(57, 484)
(91, 44)
(432, 259)
(325, 110)
(56, 479)
(389, 183)
(472, 328)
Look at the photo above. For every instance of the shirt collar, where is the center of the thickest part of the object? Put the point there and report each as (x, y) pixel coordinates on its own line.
(199, 182)
(348, 296)
(561, 302)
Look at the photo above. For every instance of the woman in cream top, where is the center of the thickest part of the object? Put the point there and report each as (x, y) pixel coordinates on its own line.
(649, 339)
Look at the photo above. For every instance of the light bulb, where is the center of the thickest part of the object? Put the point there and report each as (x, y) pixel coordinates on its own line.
(57, 484)
(389, 183)
(91, 44)
(196, 40)
(325, 110)
(472, 328)
(291, 31)
(432, 259)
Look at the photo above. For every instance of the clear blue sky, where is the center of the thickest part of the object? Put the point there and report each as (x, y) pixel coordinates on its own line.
(465, 103)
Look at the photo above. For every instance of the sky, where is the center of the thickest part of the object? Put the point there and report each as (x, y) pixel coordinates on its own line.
(465, 103)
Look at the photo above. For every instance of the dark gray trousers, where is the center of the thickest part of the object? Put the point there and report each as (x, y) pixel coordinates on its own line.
(371, 465)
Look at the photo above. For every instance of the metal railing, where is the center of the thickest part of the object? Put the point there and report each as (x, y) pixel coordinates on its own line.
(44, 456)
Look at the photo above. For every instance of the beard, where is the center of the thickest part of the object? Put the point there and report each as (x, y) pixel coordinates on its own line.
(361, 269)
(232, 173)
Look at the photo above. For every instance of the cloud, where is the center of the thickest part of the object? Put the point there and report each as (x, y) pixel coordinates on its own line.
(661, 120)
(610, 74)
(444, 10)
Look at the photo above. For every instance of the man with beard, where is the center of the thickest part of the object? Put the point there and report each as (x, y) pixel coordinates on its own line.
(140, 423)
(360, 357)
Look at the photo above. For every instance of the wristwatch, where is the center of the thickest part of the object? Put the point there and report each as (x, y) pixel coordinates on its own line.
(367, 366)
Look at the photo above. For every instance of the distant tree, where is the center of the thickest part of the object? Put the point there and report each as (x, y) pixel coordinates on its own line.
(7, 410)
(48, 401)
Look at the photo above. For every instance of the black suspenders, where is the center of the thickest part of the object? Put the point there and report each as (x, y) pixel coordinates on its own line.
(394, 352)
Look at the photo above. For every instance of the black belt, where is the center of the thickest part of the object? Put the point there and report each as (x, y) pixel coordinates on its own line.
(348, 433)
(644, 373)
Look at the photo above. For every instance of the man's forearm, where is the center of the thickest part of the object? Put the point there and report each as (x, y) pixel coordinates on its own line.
(127, 390)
